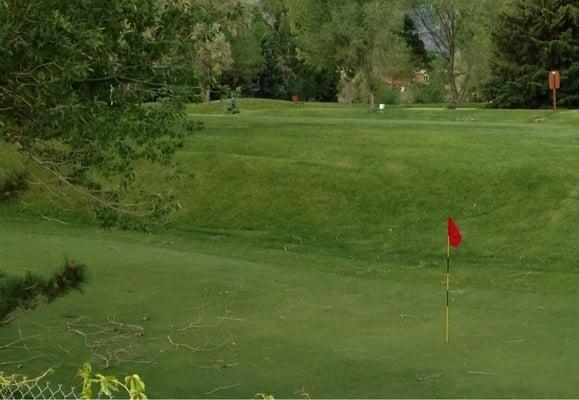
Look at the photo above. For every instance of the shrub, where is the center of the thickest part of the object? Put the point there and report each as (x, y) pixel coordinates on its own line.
(11, 183)
(387, 95)
(232, 102)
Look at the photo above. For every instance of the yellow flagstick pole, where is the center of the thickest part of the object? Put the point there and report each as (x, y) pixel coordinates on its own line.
(447, 284)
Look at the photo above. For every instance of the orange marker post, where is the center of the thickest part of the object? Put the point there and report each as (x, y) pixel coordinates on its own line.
(554, 84)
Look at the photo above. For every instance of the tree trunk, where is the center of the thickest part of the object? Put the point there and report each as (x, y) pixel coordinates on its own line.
(208, 95)
(347, 92)
(452, 78)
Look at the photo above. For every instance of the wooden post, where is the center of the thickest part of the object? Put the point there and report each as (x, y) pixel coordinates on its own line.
(554, 84)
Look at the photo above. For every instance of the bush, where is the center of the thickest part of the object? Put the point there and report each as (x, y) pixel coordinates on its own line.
(425, 93)
(429, 92)
(387, 95)
(11, 183)
(232, 102)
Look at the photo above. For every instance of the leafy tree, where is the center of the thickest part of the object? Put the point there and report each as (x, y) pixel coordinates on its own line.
(283, 74)
(358, 37)
(246, 52)
(218, 37)
(457, 30)
(531, 38)
(73, 80)
(214, 57)
(26, 292)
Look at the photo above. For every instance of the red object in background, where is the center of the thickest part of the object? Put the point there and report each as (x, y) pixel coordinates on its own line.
(454, 236)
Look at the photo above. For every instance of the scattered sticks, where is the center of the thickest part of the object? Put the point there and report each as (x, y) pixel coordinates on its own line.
(109, 344)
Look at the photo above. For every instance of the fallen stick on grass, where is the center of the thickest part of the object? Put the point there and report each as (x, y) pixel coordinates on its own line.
(217, 389)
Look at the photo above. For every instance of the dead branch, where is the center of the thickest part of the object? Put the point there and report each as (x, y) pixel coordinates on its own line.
(205, 347)
(231, 319)
(428, 377)
(20, 362)
(22, 340)
(217, 389)
(12, 319)
(197, 325)
(63, 349)
(515, 341)
(17, 341)
(85, 193)
(53, 220)
(218, 367)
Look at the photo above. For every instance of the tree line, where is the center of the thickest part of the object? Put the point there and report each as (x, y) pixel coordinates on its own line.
(493, 51)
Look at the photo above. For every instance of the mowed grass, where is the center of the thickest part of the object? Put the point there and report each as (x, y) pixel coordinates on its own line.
(310, 255)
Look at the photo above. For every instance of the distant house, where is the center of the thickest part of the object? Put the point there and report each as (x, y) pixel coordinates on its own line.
(422, 76)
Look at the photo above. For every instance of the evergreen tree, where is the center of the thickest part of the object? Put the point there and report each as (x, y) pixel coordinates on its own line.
(25, 292)
(411, 35)
(531, 38)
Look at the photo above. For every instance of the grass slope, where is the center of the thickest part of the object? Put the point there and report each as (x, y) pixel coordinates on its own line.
(309, 257)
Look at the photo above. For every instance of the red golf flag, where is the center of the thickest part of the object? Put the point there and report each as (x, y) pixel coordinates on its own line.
(454, 236)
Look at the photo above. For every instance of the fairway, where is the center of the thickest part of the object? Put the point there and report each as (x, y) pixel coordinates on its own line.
(309, 257)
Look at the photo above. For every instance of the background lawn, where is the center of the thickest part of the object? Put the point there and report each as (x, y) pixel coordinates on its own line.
(310, 254)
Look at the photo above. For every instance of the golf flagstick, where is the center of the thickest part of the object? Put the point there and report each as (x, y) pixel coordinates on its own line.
(447, 287)
(453, 238)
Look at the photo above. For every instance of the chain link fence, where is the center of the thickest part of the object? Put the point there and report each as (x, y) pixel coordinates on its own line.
(21, 387)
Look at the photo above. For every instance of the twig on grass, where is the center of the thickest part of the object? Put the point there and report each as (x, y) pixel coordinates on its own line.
(17, 341)
(197, 325)
(205, 347)
(13, 318)
(428, 377)
(231, 319)
(299, 239)
(217, 389)
(54, 220)
(123, 325)
(179, 345)
(21, 362)
(63, 349)
(461, 291)
(516, 341)
(23, 343)
(218, 367)
(478, 373)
